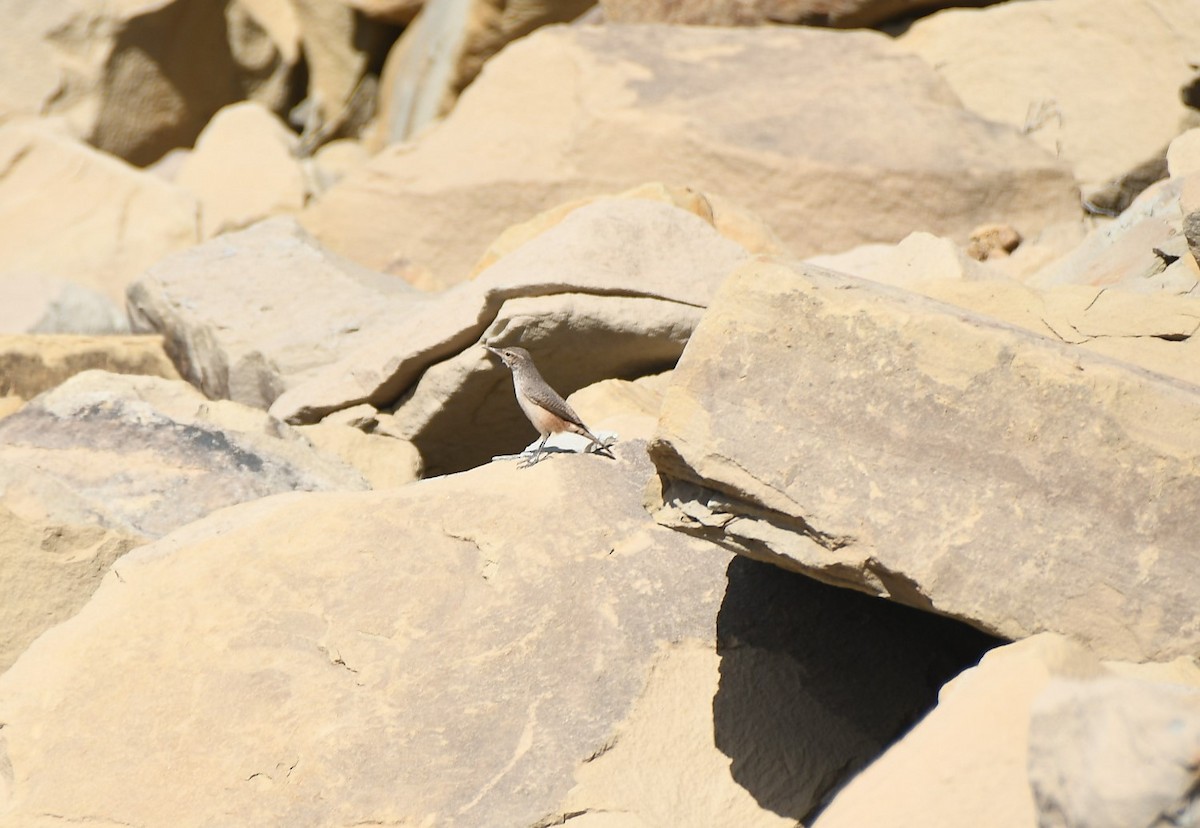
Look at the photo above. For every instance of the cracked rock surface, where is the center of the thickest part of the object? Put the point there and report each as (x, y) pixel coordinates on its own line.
(993, 475)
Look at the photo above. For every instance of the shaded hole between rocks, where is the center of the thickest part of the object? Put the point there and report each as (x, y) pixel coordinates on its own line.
(816, 681)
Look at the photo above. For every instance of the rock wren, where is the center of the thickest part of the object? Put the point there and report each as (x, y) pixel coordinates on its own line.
(549, 413)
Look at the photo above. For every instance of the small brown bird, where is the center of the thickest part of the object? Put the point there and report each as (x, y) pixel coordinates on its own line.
(549, 413)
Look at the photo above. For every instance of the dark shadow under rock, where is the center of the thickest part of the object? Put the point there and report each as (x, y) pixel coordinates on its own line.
(817, 681)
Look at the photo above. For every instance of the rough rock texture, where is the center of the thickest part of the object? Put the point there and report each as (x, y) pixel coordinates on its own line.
(145, 455)
(881, 441)
(839, 13)
(398, 657)
(629, 408)
(70, 212)
(1047, 87)
(1115, 753)
(392, 11)
(243, 169)
(138, 78)
(969, 761)
(605, 108)
(36, 303)
(248, 315)
(48, 570)
(442, 51)
(30, 365)
(383, 461)
(613, 290)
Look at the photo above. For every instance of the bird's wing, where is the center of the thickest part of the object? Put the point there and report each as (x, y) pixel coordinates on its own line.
(547, 398)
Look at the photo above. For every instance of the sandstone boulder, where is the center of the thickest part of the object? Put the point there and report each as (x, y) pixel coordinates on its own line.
(244, 169)
(136, 79)
(391, 11)
(466, 651)
(881, 441)
(971, 761)
(144, 455)
(30, 365)
(1114, 753)
(613, 290)
(37, 303)
(442, 51)
(71, 213)
(1047, 87)
(248, 315)
(605, 108)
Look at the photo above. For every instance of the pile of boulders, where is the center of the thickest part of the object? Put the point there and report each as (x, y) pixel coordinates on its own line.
(896, 329)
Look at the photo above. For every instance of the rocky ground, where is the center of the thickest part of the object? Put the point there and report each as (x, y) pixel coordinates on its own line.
(893, 309)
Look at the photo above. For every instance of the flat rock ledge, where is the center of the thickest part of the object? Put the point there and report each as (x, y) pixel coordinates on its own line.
(1007, 479)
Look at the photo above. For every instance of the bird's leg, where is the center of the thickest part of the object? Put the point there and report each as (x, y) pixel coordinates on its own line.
(537, 453)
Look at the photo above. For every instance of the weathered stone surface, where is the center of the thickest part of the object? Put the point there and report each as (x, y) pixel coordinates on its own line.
(250, 314)
(918, 258)
(442, 52)
(36, 303)
(30, 365)
(627, 407)
(613, 290)
(243, 169)
(728, 219)
(1047, 86)
(48, 570)
(144, 455)
(384, 462)
(1135, 251)
(135, 78)
(427, 655)
(392, 11)
(603, 106)
(968, 761)
(838, 13)
(1114, 753)
(70, 212)
(881, 441)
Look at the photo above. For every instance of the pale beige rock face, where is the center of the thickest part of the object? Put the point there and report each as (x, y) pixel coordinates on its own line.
(442, 51)
(1047, 86)
(605, 108)
(37, 303)
(627, 407)
(70, 212)
(145, 455)
(48, 571)
(1115, 752)
(392, 11)
(969, 761)
(122, 76)
(248, 315)
(384, 462)
(243, 169)
(617, 285)
(937, 458)
(454, 652)
(30, 365)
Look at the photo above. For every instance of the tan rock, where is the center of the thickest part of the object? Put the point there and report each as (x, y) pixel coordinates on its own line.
(442, 52)
(1183, 155)
(30, 365)
(456, 652)
(332, 162)
(145, 455)
(918, 258)
(250, 314)
(943, 457)
(70, 212)
(627, 407)
(48, 571)
(37, 303)
(614, 290)
(966, 762)
(384, 462)
(728, 219)
(243, 169)
(391, 11)
(602, 106)
(838, 13)
(136, 79)
(335, 54)
(993, 241)
(1047, 86)
(1115, 752)
(10, 404)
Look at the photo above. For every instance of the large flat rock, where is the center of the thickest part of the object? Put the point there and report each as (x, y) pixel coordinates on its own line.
(883, 441)
(501, 647)
(604, 108)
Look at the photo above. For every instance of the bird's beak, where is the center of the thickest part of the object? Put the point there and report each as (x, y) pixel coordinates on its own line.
(493, 350)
